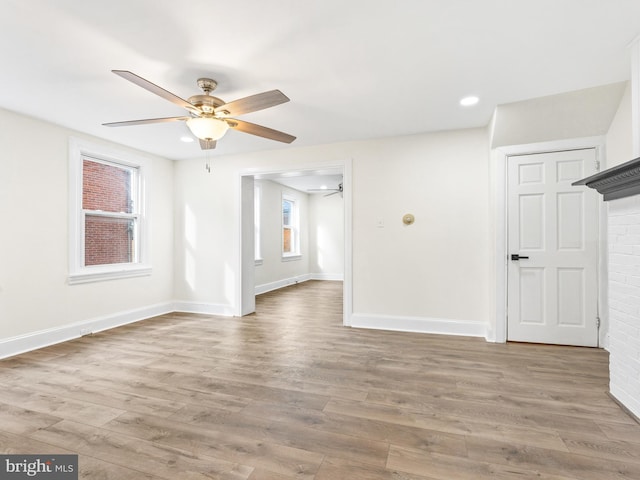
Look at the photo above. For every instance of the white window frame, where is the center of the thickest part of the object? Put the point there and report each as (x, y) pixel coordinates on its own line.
(78, 271)
(294, 226)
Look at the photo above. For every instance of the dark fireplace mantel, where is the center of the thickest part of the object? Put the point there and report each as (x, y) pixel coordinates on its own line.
(617, 182)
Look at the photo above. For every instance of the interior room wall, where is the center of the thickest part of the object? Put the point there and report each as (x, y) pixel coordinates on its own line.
(431, 276)
(581, 113)
(326, 237)
(207, 230)
(36, 303)
(274, 271)
(619, 136)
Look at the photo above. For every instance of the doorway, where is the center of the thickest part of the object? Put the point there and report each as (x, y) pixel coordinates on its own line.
(246, 281)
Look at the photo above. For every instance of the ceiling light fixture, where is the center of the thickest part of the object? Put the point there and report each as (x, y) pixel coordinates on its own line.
(469, 101)
(186, 139)
(207, 128)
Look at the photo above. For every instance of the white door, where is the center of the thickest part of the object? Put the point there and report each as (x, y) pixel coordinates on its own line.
(553, 229)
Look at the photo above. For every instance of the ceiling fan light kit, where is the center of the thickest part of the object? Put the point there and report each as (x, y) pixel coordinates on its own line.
(208, 116)
(207, 128)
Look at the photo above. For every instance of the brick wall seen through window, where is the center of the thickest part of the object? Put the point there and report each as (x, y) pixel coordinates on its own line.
(107, 192)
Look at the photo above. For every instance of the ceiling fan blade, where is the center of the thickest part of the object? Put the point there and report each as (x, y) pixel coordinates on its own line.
(153, 88)
(253, 103)
(260, 131)
(207, 144)
(145, 121)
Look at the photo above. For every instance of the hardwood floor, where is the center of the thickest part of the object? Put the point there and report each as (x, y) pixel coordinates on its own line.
(290, 393)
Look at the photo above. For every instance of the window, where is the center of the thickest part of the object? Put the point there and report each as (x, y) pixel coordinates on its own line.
(110, 209)
(107, 219)
(290, 227)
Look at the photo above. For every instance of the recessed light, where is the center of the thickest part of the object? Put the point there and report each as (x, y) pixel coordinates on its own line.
(186, 139)
(469, 101)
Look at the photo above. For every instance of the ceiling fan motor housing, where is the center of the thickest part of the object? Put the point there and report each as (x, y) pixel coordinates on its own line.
(206, 103)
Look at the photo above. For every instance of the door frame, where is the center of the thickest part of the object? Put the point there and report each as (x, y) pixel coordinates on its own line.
(245, 287)
(499, 158)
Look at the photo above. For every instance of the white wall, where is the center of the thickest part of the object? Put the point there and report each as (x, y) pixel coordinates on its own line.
(207, 230)
(37, 306)
(582, 113)
(434, 274)
(326, 236)
(274, 272)
(431, 276)
(619, 136)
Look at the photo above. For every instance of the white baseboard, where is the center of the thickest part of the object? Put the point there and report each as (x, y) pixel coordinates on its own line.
(285, 282)
(419, 325)
(203, 308)
(44, 338)
(333, 277)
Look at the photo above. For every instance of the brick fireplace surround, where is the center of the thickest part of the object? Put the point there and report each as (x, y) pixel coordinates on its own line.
(620, 187)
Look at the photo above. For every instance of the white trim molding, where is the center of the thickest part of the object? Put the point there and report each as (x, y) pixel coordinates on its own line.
(203, 308)
(285, 282)
(100, 275)
(332, 277)
(45, 338)
(441, 326)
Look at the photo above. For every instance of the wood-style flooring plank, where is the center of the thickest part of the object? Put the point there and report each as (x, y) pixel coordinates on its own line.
(130, 452)
(583, 467)
(340, 468)
(248, 447)
(447, 467)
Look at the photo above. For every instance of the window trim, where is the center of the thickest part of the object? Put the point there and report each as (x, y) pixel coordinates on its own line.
(294, 226)
(78, 272)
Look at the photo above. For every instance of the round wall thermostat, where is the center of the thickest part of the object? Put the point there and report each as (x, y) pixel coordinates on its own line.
(408, 219)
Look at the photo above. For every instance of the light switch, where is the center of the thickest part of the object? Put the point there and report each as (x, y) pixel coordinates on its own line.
(380, 223)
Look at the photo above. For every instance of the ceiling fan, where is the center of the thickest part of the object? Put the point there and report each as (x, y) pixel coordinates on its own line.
(210, 117)
(332, 190)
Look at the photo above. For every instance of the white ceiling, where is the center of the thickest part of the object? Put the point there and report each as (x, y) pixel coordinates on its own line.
(353, 69)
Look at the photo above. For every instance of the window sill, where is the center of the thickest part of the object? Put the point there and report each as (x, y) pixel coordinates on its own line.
(291, 258)
(101, 274)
